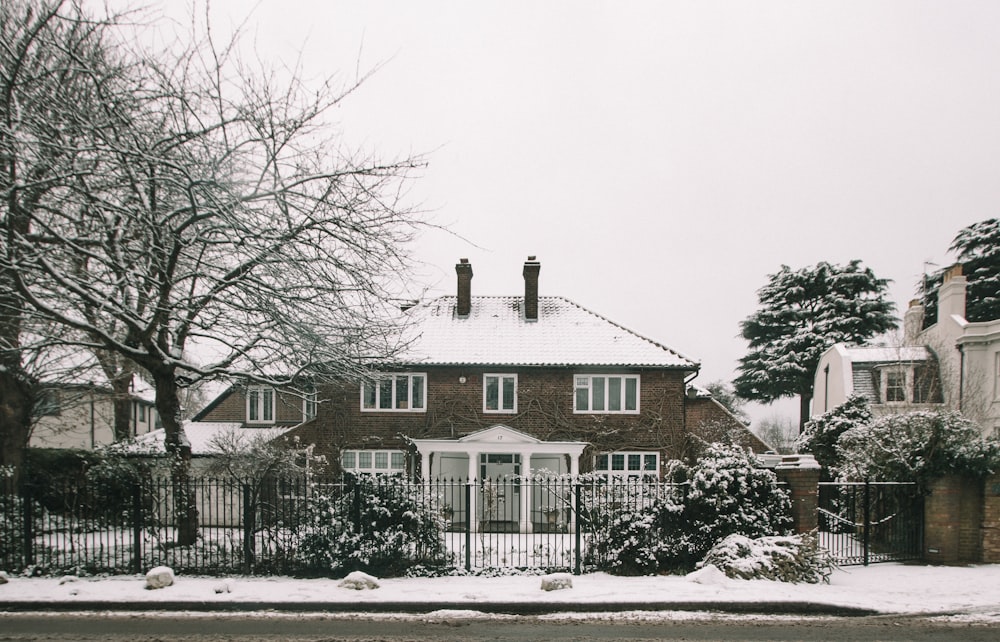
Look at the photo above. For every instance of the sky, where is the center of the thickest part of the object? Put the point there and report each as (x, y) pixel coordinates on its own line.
(967, 594)
(662, 158)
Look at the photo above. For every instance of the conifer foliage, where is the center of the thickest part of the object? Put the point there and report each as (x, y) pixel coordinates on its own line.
(978, 250)
(802, 313)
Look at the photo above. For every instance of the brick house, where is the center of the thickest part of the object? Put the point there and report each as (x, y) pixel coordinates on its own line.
(497, 385)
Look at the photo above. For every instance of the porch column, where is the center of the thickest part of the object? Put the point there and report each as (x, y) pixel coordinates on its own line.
(473, 476)
(525, 524)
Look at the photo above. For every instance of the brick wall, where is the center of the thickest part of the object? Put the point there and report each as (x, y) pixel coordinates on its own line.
(544, 410)
(991, 520)
(710, 420)
(802, 480)
(953, 520)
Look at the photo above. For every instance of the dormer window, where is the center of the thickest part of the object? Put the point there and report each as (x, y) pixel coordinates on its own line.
(260, 405)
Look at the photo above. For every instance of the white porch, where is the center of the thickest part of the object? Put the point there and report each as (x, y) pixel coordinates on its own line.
(499, 463)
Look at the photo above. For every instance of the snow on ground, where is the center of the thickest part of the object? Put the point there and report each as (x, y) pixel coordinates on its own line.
(972, 591)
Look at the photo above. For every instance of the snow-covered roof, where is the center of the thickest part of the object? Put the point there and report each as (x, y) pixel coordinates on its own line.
(905, 354)
(200, 434)
(495, 332)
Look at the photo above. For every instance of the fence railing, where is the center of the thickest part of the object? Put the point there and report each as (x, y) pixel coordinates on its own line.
(868, 522)
(259, 526)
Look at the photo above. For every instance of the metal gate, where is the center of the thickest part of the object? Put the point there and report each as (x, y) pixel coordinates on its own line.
(868, 522)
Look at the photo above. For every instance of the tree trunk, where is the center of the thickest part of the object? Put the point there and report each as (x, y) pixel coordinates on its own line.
(179, 453)
(16, 401)
(122, 405)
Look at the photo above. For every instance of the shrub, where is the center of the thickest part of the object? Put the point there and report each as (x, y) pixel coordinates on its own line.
(917, 446)
(820, 435)
(796, 558)
(725, 493)
(377, 525)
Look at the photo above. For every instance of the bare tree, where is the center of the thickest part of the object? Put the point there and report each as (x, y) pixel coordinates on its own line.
(214, 227)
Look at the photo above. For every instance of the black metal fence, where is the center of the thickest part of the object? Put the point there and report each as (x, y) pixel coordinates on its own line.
(271, 526)
(868, 522)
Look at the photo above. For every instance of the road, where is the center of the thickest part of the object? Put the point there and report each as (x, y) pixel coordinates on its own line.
(144, 627)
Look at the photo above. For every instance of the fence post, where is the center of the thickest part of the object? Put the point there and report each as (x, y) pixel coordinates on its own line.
(468, 525)
(28, 531)
(137, 526)
(867, 517)
(577, 553)
(248, 528)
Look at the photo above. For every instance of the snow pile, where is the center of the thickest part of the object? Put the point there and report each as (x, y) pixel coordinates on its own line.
(709, 575)
(3, 577)
(159, 577)
(557, 581)
(359, 581)
(795, 558)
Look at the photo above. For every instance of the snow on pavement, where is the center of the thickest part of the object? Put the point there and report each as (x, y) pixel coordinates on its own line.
(888, 588)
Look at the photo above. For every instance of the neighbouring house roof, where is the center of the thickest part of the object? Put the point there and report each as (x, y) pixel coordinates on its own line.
(201, 435)
(883, 355)
(495, 332)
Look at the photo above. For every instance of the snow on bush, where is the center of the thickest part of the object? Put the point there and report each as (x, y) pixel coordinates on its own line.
(821, 434)
(376, 525)
(724, 493)
(796, 558)
(917, 446)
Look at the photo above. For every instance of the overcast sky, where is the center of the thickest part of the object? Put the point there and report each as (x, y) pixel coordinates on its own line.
(662, 158)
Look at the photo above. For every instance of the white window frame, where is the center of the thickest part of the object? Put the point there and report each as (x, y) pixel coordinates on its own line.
(996, 377)
(379, 462)
(257, 404)
(500, 379)
(586, 382)
(378, 387)
(605, 464)
(309, 401)
(907, 385)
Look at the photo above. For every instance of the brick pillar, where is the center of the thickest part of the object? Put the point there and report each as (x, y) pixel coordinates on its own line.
(991, 520)
(800, 473)
(954, 520)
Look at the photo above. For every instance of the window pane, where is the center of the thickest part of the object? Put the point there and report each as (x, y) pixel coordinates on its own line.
(650, 463)
(597, 390)
(895, 386)
(364, 459)
(617, 461)
(268, 414)
(602, 462)
(634, 462)
(397, 461)
(402, 385)
(631, 393)
(369, 394)
(508, 393)
(615, 394)
(347, 460)
(581, 399)
(252, 400)
(385, 394)
(492, 393)
(418, 391)
(381, 460)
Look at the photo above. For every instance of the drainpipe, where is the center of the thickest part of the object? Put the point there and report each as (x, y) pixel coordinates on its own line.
(961, 375)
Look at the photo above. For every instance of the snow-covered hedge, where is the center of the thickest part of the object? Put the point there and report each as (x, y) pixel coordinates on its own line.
(795, 558)
(377, 527)
(724, 493)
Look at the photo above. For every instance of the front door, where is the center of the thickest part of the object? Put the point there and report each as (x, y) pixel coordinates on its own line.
(500, 491)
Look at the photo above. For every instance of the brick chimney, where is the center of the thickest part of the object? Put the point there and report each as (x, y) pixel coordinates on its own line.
(913, 322)
(951, 295)
(464, 270)
(531, 270)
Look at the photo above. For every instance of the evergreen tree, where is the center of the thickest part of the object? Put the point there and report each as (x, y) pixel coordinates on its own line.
(802, 313)
(978, 249)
